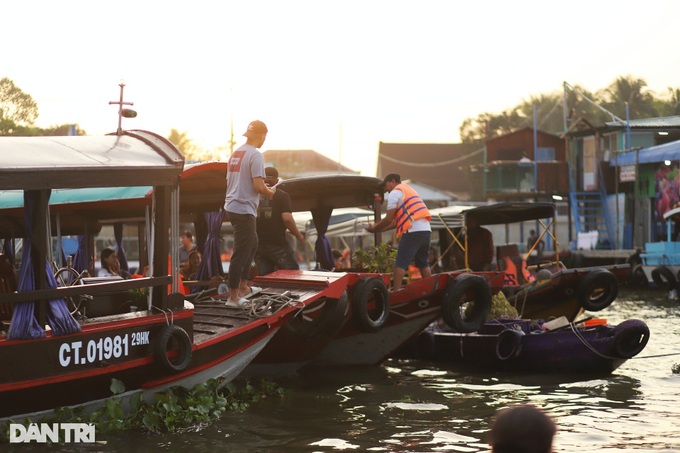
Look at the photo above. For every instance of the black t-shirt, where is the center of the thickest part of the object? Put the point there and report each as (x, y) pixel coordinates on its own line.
(270, 227)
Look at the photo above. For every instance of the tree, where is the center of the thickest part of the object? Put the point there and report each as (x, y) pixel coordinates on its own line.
(627, 89)
(182, 141)
(488, 125)
(549, 115)
(579, 104)
(186, 145)
(671, 106)
(18, 110)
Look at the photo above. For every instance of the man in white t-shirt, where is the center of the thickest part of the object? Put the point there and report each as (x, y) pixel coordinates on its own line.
(406, 212)
(245, 184)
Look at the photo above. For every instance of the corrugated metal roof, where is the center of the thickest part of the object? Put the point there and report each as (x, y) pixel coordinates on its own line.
(648, 123)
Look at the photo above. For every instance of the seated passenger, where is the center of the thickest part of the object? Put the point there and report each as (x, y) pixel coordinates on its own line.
(110, 266)
(339, 261)
(480, 246)
(531, 240)
(194, 261)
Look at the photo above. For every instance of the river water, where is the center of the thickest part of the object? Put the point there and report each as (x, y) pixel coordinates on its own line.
(411, 406)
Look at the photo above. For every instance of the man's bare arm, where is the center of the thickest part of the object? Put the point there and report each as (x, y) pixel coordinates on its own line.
(385, 223)
(289, 222)
(262, 189)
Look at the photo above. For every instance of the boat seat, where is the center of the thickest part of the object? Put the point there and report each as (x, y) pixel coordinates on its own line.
(8, 284)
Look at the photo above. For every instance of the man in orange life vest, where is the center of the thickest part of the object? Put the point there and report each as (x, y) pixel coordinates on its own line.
(408, 214)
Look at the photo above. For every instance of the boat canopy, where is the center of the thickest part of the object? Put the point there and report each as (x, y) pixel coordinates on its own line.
(322, 194)
(135, 158)
(343, 222)
(504, 213)
(39, 165)
(450, 216)
(334, 191)
(203, 187)
(667, 151)
(493, 214)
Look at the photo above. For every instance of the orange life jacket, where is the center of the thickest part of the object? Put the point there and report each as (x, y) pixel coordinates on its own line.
(512, 278)
(412, 208)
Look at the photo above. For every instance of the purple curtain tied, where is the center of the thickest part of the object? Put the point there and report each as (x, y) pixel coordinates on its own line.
(83, 258)
(24, 325)
(211, 263)
(324, 254)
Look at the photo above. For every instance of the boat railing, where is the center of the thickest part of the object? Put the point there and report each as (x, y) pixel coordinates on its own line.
(91, 289)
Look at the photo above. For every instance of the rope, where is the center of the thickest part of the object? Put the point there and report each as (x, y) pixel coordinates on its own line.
(523, 292)
(658, 355)
(266, 305)
(165, 312)
(572, 326)
(585, 342)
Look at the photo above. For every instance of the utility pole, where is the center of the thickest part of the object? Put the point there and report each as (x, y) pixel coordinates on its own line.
(231, 139)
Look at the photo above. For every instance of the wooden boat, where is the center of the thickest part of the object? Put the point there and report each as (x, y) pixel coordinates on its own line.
(52, 358)
(542, 290)
(660, 267)
(525, 346)
(202, 189)
(381, 322)
(372, 322)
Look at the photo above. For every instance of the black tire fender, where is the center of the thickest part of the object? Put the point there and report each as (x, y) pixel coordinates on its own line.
(464, 314)
(173, 338)
(370, 304)
(663, 278)
(327, 323)
(638, 278)
(630, 338)
(597, 290)
(508, 344)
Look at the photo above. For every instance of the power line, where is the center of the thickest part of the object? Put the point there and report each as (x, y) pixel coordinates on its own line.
(614, 117)
(433, 164)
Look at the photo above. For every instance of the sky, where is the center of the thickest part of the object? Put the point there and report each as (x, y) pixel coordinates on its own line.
(335, 76)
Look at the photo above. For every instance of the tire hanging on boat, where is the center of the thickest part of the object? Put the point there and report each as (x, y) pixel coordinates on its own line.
(466, 303)
(172, 338)
(508, 344)
(630, 338)
(638, 277)
(597, 290)
(663, 278)
(319, 325)
(370, 304)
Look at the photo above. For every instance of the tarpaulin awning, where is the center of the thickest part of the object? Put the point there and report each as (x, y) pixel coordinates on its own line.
(667, 151)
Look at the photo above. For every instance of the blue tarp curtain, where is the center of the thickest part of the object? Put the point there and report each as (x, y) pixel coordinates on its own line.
(83, 258)
(324, 254)
(120, 251)
(24, 325)
(211, 263)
